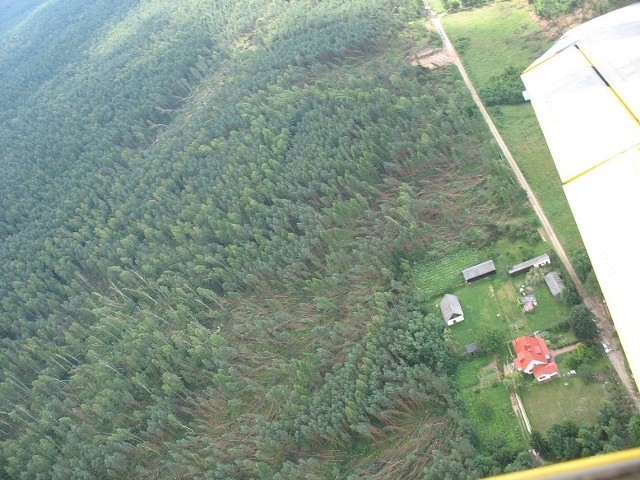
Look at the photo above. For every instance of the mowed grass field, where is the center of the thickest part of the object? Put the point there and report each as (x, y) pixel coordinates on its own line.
(578, 399)
(501, 35)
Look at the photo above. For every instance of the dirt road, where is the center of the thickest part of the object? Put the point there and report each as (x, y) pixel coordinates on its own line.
(605, 324)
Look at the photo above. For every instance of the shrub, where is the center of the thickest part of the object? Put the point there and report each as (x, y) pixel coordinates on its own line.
(582, 265)
(570, 295)
(454, 5)
(553, 8)
(461, 44)
(582, 323)
(504, 89)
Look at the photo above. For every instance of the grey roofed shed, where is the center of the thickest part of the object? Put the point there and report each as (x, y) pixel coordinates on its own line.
(479, 271)
(451, 309)
(555, 284)
(523, 267)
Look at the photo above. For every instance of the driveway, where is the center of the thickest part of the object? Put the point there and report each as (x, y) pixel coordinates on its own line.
(560, 351)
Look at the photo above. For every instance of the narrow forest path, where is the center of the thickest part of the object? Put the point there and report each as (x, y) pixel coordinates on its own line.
(605, 324)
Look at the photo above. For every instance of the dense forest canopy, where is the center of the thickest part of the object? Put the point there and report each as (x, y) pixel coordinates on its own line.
(209, 212)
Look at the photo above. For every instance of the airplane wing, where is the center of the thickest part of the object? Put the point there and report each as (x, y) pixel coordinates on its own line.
(585, 91)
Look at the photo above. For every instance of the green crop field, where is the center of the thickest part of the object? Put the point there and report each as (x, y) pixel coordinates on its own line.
(437, 277)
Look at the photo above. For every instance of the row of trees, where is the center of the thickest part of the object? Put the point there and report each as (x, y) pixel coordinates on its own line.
(615, 428)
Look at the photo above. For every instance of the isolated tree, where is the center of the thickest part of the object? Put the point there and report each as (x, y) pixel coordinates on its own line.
(582, 323)
(492, 340)
(570, 295)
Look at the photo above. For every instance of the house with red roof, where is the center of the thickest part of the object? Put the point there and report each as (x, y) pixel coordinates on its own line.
(534, 357)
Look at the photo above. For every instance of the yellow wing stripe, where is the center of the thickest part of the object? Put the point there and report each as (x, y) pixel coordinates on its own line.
(610, 465)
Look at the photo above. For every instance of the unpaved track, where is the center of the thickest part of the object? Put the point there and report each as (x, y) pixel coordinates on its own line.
(605, 324)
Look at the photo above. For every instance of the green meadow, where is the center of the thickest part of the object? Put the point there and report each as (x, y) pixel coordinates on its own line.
(578, 399)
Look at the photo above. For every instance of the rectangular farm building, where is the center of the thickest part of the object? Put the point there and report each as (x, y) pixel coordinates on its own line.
(554, 282)
(479, 271)
(451, 309)
(536, 262)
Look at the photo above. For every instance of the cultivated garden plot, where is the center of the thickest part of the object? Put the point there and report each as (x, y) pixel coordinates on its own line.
(487, 401)
(438, 276)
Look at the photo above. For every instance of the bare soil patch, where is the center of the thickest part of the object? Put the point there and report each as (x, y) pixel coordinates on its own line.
(431, 58)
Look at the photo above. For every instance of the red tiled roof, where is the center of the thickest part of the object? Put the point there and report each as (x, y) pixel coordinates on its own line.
(529, 352)
(549, 369)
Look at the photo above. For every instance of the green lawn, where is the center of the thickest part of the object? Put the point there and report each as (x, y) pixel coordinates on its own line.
(549, 311)
(481, 311)
(500, 35)
(511, 310)
(577, 399)
(493, 304)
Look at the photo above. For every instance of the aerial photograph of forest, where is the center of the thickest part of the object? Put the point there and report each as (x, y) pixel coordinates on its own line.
(229, 230)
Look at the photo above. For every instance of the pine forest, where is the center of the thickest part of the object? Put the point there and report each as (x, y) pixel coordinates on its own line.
(210, 214)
